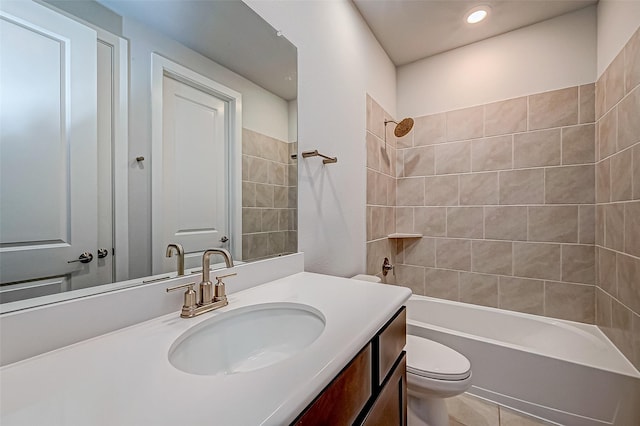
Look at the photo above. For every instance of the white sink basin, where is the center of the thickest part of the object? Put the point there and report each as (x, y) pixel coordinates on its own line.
(247, 339)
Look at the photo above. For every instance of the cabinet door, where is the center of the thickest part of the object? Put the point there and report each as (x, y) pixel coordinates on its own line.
(391, 406)
(341, 402)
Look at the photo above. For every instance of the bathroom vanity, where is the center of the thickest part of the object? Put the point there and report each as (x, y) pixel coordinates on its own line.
(331, 354)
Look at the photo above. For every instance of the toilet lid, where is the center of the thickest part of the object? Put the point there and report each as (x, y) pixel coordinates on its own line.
(431, 359)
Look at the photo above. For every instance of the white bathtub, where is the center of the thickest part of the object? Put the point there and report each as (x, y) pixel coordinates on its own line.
(561, 371)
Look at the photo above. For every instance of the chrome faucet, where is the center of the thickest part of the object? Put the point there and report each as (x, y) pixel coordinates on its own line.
(211, 296)
(180, 252)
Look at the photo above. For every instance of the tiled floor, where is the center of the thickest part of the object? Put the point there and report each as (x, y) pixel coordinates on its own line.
(467, 410)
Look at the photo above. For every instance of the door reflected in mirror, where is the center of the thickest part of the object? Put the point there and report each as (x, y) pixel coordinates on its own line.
(123, 132)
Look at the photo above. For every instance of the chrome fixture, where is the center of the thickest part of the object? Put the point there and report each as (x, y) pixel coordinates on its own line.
(211, 296)
(102, 253)
(386, 266)
(85, 257)
(315, 153)
(180, 252)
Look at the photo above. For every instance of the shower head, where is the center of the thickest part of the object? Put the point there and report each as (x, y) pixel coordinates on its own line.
(402, 128)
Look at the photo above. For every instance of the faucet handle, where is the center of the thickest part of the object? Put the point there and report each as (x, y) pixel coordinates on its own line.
(190, 296)
(219, 292)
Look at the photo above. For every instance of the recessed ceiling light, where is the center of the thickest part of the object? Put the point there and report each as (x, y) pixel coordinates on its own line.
(477, 14)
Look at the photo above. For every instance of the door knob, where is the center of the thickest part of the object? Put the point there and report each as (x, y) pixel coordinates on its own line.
(102, 253)
(85, 257)
(224, 239)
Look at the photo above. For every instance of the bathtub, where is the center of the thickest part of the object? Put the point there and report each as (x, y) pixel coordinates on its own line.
(561, 371)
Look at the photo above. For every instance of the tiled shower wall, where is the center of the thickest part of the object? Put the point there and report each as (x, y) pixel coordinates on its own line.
(618, 200)
(269, 196)
(381, 189)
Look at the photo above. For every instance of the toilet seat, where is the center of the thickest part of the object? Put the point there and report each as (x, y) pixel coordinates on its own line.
(429, 359)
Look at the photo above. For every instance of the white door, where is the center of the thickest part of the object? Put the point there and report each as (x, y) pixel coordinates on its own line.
(194, 172)
(48, 148)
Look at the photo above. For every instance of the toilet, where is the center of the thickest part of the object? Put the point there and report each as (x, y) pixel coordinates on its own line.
(434, 372)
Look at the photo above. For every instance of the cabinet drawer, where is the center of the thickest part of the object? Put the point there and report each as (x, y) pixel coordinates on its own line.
(391, 406)
(390, 343)
(342, 401)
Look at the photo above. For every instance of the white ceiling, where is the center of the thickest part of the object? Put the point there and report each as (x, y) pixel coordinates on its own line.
(227, 32)
(409, 30)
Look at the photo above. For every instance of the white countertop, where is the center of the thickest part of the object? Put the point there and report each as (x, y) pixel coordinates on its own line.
(125, 378)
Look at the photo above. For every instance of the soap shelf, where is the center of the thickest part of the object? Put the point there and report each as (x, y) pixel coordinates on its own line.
(400, 235)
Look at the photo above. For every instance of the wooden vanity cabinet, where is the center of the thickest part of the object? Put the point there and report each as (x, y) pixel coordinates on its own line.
(372, 389)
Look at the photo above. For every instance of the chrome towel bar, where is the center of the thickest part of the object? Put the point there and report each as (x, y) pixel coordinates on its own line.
(315, 153)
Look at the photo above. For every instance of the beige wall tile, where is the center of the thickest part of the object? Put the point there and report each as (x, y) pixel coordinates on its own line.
(418, 161)
(281, 196)
(614, 81)
(470, 410)
(264, 195)
(522, 295)
(578, 144)
(441, 191)
(570, 185)
(491, 257)
(419, 251)
(430, 221)
(251, 220)
(389, 129)
(453, 158)
(522, 187)
(377, 251)
(632, 229)
(607, 275)
(479, 289)
(494, 153)
(277, 173)
(404, 219)
(381, 196)
(628, 123)
(377, 223)
(430, 129)
(453, 254)
(628, 269)
(533, 149)
(603, 181)
(599, 107)
(411, 277)
(587, 224)
(635, 331)
(388, 160)
(587, 103)
(269, 220)
(479, 189)
(620, 331)
(636, 172)
(245, 167)
(465, 123)
(276, 242)
(607, 134)
(621, 176)
(553, 109)
(504, 117)
(578, 264)
(505, 223)
(632, 62)
(254, 246)
(537, 260)
(258, 170)
(441, 283)
(553, 223)
(600, 219)
(573, 302)
(614, 226)
(371, 187)
(285, 221)
(465, 222)
(248, 194)
(389, 220)
(373, 151)
(410, 192)
(603, 309)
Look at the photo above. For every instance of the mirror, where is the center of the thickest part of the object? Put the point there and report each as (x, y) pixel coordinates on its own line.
(195, 109)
